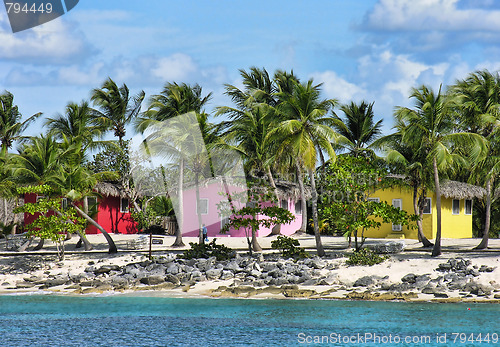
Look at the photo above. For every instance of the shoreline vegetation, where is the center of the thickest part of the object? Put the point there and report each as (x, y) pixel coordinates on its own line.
(460, 274)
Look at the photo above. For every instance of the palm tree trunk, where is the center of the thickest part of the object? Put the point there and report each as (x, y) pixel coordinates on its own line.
(201, 239)
(300, 177)
(419, 212)
(277, 228)
(436, 250)
(83, 237)
(40, 245)
(319, 245)
(111, 243)
(487, 219)
(180, 221)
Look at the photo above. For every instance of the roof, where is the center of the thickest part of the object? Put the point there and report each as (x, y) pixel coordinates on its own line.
(454, 189)
(110, 189)
(461, 190)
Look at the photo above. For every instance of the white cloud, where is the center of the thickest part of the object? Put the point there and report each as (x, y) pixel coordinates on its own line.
(175, 67)
(336, 87)
(54, 42)
(429, 15)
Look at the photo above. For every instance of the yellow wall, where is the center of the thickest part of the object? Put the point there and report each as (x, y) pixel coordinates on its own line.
(453, 226)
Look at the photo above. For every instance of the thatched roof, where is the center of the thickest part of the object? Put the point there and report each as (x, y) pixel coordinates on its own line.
(110, 189)
(461, 190)
(291, 190)
(453, 189)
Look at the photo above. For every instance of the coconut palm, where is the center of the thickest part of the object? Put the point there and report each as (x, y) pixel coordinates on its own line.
(358, 129)
(430, 129)
(174, 100)
(186, 101)
(478, 107)
(305, 127)
(11, 127)
(116, 107)
(408, 161)
(77, 124)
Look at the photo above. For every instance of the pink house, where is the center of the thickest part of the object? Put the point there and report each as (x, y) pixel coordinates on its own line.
(213, 194)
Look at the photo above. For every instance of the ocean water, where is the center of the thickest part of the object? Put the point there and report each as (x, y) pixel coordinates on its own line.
(119, 320)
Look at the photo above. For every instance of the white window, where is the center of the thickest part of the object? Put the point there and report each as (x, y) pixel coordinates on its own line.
(397, 203)
(455, 208)
(468, 207)
(284, 204)
(40, 197)
(202, 206)
(298, 207)
(91, 202)
(427, 206)
(124, 205)
(373, 199)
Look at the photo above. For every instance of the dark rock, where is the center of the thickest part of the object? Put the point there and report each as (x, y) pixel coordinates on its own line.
(56, 282)
(409, 278)
(106, 269)
(172, 279)
(485, 268)
(118, 281)
(226, 274)
(152, 280)
(444, 267)
(24, 285)
(365, 281)
(440, 295)
(213, 273)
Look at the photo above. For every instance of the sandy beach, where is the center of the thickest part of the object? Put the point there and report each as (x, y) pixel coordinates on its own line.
(401, 277)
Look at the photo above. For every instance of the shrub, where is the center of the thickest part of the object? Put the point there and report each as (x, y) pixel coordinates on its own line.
(365, 256)
(289, 247)
(207, 250)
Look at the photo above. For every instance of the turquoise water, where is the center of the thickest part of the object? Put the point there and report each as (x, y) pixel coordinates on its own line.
(49, 320)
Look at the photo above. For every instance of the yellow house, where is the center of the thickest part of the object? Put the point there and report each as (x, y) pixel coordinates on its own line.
(456, 211)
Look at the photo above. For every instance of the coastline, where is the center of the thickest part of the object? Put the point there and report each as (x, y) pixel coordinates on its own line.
(410, 276)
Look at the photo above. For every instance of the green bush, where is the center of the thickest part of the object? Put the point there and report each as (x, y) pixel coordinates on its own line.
(289, 247)
(207, 250)
(365, 256)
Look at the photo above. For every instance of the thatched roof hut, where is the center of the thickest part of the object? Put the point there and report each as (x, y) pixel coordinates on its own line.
(461, 190)
(110, 189)
(453, 189)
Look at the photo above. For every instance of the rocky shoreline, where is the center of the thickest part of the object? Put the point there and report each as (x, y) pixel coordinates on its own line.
(261, 276)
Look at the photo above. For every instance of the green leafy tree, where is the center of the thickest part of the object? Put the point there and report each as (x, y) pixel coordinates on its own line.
(50, 226)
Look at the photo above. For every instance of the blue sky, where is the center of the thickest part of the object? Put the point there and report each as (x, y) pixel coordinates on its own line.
(373, 50)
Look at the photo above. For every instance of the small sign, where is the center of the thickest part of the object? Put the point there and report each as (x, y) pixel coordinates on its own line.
(157, 242)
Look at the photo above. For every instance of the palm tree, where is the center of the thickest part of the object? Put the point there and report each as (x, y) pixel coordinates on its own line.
(478, 107)
(116, 107)
(174, 100)
(431, 130)
(304, 128)
(411, 163)
(185, 101)
(77, 124)
(358, 129)
(11, 127)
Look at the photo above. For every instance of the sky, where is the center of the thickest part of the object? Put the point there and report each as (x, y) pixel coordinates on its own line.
(372, 50)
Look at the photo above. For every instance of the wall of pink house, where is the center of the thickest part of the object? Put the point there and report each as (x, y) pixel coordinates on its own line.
(211, 194)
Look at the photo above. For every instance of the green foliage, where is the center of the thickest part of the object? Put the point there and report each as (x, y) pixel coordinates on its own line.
(207, 250)
(365, 256)
(345, 187)
(145, 218)
(289, 247)
(47, 225)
